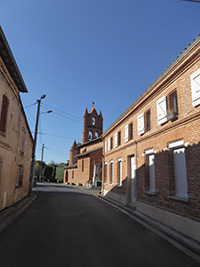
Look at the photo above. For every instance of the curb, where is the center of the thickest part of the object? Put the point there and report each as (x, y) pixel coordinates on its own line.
(11, 213)
(183, 243)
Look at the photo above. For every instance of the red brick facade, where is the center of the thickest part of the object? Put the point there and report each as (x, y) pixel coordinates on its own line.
(159, 148)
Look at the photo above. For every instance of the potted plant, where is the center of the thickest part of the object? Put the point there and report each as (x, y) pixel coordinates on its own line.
(89, 184)
(171, 114)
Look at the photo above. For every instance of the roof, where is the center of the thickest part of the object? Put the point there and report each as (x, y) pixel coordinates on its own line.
(10, 63)
(72, 166)
(87, 153)
(96, 140)
(178, 58)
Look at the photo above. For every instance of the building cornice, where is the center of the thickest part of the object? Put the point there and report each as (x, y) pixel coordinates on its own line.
(10, 63)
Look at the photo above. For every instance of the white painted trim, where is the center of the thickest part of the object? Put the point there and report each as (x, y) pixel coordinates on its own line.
(177, 144)
(119, 159)
(149, 151)
(105, 163)
(111, 161)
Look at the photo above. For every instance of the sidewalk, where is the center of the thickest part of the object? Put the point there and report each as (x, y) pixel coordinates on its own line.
(183, 243)
(8, 215)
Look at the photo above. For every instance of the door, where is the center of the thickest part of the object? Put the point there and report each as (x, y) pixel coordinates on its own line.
(180, 173)
(133, 175)
(151, 173)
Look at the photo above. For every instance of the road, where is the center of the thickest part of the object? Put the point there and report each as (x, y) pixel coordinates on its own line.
(65, 226)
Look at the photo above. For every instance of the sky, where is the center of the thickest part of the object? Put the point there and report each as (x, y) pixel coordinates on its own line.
(79, 51)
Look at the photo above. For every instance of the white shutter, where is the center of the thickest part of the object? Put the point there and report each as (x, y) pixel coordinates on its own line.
(126, 133)
(195, 87)
(108, 144)
(105, 146)
(140, 123)
(116, 139)
(161, 110)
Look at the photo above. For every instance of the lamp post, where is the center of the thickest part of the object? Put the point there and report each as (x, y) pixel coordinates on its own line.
(34, 143)
(40, 172)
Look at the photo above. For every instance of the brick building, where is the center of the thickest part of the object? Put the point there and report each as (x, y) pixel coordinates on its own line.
(152, 151)
(15, 136)
(85, 159)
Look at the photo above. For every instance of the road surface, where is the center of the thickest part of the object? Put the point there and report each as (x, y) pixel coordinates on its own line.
(65, 226)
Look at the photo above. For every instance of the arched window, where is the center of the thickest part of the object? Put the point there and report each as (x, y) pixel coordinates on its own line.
(96, 135)
(90, 136)
(93, 121)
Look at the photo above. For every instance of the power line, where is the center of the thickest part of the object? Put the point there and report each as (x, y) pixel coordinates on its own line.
(55, 150)
(60, 136)
(63, 112)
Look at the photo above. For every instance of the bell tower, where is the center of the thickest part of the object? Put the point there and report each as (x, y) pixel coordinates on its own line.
(92, 125)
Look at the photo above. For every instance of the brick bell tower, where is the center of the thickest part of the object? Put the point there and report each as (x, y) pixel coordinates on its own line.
(92, 125)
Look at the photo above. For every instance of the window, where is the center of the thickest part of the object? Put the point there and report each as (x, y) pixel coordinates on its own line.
(167, 108)
(172, 109)
(119, 171)
(150, 170)
(22, 141)
(90, 136)
(105, 172)
(72, 174)
(82, 165)
(19, 178)
(105, 146)
(147, 121)
(111, 172)
(130, 131)
(93, 121)
(96, 135)
(4, 111)
(119, 138)
(111, 143)
(195, 87)
(179, 169)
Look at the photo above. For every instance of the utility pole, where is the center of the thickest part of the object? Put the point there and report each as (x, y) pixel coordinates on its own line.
(40, 172)
(34, 145)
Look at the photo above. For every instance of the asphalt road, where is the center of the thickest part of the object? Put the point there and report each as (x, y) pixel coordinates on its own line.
(69, 227)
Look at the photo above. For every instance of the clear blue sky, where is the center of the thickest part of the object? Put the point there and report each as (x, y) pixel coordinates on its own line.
(79, 51)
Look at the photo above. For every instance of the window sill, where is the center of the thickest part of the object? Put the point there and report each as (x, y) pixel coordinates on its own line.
(119, 185)
(151, 193)
(18, 186)
(181, 199)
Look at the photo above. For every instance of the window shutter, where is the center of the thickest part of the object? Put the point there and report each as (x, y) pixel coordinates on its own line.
(116, 139)
(108, 144)
(126, 133)
(140, 124)
(161, 110)
(4, 111)
(195, 87)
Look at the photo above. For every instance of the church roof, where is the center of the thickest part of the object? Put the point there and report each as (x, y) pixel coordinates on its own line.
(74, 145)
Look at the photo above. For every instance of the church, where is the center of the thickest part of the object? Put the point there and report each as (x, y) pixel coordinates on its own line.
(85, 160)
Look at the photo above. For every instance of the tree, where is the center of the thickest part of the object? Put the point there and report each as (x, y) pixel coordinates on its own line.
(37, 167)
(47, 172)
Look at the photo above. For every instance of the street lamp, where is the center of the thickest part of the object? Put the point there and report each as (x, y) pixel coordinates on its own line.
(34, 142)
